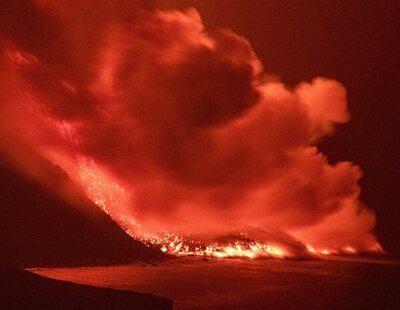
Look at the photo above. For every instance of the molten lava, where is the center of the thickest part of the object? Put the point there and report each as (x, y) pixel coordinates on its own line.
(109, 195)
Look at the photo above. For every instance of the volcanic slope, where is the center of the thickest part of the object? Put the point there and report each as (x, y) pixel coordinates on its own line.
(40, 227)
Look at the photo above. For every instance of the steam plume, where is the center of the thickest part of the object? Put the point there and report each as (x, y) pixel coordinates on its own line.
(184, 124)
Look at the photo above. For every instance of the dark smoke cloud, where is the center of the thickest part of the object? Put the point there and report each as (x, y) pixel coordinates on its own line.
(185, 119)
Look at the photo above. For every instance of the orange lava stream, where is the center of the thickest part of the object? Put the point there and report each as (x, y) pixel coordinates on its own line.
(113, 199)
(185, 246)
(181, 246)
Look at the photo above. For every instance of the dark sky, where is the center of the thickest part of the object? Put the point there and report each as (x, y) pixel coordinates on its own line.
(355, 42)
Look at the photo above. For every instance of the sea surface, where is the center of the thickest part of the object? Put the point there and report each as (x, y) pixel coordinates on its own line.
(193, 283)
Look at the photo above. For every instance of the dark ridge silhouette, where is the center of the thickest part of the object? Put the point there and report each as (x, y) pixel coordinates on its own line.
(39, 227)
(21, 289)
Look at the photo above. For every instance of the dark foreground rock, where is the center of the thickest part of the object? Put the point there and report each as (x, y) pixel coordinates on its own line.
(40, 227)
(20, 289)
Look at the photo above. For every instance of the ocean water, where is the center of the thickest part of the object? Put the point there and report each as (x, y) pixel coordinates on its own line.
(340, 283)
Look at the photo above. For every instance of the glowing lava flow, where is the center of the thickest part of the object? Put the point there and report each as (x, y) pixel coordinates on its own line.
(106, 193)
(112, 198)
(184, 246)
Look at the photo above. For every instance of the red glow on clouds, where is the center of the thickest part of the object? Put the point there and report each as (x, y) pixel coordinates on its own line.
(172, 130)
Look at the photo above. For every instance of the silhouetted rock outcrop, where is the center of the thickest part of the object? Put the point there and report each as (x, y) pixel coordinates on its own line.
(21, 289)
(39, 227)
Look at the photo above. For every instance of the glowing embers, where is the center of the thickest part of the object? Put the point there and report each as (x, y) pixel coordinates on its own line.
(242, 246)
(107, 194)
(98, 188)
(346, 250)
(186, 246)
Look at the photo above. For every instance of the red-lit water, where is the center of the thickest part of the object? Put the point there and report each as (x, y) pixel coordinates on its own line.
(252, 284)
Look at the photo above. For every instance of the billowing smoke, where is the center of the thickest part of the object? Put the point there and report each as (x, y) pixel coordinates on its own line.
(183, 124)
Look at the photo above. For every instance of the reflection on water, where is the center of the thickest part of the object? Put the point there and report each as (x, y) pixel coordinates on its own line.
(251, 284)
